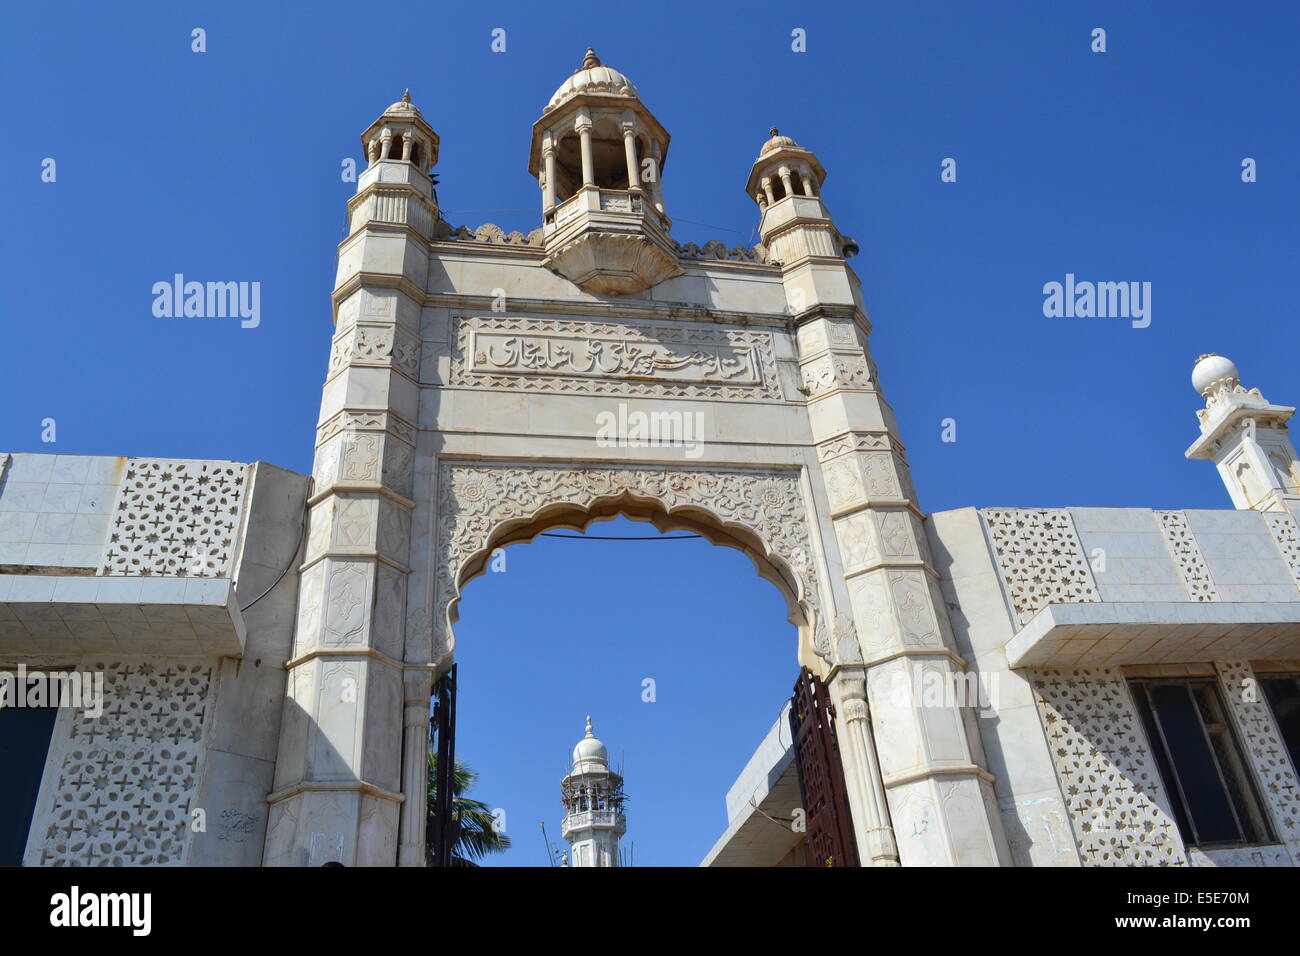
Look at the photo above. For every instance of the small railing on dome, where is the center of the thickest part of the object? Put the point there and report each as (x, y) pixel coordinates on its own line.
(620, 200)
(589, 818)
(606, 200)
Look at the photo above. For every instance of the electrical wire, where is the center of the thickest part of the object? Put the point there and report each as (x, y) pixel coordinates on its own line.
(598, 537)
(302, 531)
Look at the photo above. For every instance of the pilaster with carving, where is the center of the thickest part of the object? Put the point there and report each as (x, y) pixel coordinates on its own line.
(866, 792)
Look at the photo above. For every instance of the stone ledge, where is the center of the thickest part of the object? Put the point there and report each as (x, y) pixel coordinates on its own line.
(45, 614)
(1146, 632)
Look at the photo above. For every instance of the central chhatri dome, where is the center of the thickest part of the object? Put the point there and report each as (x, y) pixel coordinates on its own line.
(592, 77)
(598, 154)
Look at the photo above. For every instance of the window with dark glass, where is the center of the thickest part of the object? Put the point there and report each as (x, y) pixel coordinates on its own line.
(1283, 694)
(24, 742)
(1211, 789)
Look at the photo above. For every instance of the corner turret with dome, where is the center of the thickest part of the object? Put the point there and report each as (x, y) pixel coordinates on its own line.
(598, 154)
(593, 800)
(1246, 436)
(786, 182)
(396, 189)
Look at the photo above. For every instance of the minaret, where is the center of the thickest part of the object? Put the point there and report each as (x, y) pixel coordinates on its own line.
(593, 805)
(352, 763)
(1246, 437)
(889, 622)
(598, 154)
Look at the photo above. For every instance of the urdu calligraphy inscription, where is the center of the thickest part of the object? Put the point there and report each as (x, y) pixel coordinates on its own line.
(609, 357)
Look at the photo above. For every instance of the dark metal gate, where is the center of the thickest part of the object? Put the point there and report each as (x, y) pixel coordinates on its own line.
(821, 775)
(444, 828)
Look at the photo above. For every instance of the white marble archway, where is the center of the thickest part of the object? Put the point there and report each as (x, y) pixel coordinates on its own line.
(484, 505)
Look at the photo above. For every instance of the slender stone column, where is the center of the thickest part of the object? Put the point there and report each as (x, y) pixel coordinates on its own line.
(418, 684)
(657, 186)
(588, 162)
(875, 837)
(629, 148)
(809, 188)
(548, 188)
(784, 173)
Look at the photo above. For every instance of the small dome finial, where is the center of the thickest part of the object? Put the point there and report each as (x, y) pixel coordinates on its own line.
(406, 95)
(590, 59)
(589, 731)
(773, 132)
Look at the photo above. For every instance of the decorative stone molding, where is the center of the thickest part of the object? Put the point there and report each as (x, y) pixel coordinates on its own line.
(713, 249)
(613, 358)
(386, 305)
(376, 345)
(1287, 535)
(366, 421)
(488, 233)
(1263, 744)
(1112, 787)
(832, 371)
(1041, 559)
(176, 518)
(897, 610)
(868, 441)
(875, 537)
(118, 786)
(1187, 555)
(477, 500)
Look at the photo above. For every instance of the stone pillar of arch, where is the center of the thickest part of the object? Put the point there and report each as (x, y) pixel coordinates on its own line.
(355, 722)
(896, 640)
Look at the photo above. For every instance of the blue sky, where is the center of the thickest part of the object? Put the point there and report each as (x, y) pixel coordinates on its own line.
(225, 166)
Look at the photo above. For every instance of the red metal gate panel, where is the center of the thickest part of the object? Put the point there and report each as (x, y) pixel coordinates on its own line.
(821, 775)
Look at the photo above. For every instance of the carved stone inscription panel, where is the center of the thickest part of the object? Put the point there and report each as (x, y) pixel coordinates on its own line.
(613, 358)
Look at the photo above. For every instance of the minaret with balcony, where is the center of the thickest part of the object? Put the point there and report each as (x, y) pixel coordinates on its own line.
(593, 805)
(598, 155)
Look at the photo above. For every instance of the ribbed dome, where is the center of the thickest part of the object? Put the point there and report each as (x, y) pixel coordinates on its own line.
(777, 142)
(404, 105)
(593, 77)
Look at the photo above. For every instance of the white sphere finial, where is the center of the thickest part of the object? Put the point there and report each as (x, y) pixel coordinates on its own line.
(1212, 372)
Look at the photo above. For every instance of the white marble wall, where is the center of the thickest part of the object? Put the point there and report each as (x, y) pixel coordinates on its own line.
(221, 714)
(54, 509)
(1040, 734)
